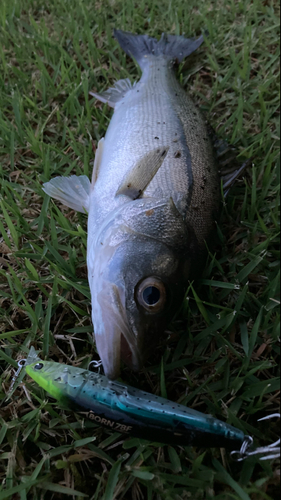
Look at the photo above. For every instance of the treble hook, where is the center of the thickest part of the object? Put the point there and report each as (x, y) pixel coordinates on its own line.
(270, 451)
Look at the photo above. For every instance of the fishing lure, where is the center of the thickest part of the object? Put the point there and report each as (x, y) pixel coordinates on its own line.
(131, 411)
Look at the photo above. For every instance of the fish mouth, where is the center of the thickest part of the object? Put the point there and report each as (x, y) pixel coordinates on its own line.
(113, 348)
(114, 339)
(130, 355)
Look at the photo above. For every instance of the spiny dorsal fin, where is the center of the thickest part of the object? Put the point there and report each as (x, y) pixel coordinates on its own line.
(142, 173)
(229, 165)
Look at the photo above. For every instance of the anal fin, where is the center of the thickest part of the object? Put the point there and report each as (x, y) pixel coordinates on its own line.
(142, 173)
(114, 94)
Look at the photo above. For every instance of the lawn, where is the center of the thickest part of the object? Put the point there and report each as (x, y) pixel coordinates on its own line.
(220, 354)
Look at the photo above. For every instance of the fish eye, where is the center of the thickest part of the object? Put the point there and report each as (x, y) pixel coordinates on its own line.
(38, 366)
(151, 294)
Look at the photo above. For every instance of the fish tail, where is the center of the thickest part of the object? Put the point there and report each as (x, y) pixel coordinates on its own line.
(174, 47)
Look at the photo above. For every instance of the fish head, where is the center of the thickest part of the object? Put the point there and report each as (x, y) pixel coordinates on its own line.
(140, 270)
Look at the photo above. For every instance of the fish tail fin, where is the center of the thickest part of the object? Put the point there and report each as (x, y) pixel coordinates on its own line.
(172, 46)
(71, 191)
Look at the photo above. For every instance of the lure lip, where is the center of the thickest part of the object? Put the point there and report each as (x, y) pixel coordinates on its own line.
(32, 357)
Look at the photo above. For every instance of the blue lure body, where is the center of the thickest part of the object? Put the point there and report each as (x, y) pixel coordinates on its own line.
(125, 409)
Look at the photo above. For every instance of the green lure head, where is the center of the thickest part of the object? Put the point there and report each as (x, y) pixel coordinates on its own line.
(47, 375)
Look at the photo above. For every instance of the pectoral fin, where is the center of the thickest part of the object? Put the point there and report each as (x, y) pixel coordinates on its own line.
(114, 94)
(97, 161)
(142, 173)
(71, 191)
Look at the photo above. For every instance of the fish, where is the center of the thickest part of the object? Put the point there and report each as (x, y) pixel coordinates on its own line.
(151, 203)
(128, 410)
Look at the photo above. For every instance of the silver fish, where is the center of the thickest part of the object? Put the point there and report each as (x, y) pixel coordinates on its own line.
(151, 204)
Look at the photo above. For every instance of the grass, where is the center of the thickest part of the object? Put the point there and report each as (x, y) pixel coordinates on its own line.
(221, 353)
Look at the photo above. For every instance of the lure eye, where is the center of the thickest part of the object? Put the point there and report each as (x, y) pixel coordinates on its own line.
(38, 366)
(151, 294)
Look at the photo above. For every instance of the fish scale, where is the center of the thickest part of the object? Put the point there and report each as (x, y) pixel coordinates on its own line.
(205, 190)
(175, 174)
